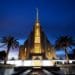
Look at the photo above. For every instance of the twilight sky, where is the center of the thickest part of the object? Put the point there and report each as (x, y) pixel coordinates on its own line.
(17, 17)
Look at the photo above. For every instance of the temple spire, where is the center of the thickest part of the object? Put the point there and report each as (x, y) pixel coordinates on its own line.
(37, 14)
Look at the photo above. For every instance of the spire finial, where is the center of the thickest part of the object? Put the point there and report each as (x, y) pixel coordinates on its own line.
(36, 14)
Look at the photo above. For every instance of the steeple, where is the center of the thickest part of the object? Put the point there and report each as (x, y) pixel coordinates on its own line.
(37, 35)
(37, 18)
(37, 14)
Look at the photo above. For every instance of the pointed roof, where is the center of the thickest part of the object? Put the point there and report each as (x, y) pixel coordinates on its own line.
(37, 18)
(37, 14)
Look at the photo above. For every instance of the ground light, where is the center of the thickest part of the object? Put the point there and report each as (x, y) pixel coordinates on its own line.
(37, 63)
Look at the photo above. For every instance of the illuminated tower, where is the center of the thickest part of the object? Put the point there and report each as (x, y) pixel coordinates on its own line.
(37, 39)
(37, 51)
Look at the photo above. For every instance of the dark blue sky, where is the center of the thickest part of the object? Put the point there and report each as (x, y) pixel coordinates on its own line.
(17, 17)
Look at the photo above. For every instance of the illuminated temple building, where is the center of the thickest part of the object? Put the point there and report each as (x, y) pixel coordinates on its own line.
(37, 46)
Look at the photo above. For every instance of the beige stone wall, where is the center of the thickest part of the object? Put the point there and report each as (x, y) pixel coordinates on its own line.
(50, 53)
(22, 53)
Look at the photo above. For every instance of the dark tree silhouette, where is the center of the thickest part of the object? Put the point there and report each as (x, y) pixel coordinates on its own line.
(73, 53)
(64, 42)
(10, 42)
(2, 55)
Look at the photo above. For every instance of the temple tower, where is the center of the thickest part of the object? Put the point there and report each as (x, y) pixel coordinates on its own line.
(37, 51)
(37, 45)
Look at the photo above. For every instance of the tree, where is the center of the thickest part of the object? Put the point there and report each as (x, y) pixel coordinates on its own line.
(64, 42)
(10, 41)
(2, 55)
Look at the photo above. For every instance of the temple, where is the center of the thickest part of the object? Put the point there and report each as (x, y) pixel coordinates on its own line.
(37, 46)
